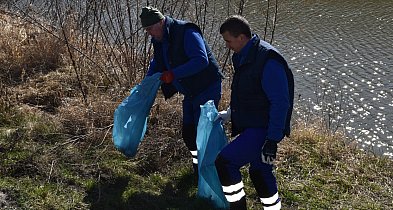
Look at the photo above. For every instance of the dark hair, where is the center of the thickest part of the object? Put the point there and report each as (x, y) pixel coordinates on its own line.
(236, 25)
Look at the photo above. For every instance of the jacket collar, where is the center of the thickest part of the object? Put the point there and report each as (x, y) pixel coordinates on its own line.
(247, 53)
(252, 49)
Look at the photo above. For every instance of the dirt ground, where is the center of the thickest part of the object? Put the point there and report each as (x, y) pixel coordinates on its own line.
(3, 200)
(6, 203)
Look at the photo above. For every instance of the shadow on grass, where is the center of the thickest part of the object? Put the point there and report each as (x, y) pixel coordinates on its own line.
(174, 195)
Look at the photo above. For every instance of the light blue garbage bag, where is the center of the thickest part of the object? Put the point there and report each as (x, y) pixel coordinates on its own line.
(211, 139)
(130, 118)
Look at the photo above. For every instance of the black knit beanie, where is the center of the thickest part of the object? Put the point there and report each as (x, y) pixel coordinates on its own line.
(150, 16)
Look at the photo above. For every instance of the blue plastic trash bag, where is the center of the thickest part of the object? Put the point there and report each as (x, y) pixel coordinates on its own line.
(211, 139)
(130, 118)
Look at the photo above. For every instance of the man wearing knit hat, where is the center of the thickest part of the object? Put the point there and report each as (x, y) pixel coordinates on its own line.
(188, 66)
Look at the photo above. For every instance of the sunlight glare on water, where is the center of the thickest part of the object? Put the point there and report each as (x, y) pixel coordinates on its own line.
(340, 56)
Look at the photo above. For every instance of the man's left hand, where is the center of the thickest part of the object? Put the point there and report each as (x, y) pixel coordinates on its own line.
(269, 151)
(167, 76)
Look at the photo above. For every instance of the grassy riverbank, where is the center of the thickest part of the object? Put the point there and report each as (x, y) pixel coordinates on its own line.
(56, 150)
(42, 167)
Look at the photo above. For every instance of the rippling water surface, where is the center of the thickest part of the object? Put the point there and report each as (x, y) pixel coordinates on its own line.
(341, 53)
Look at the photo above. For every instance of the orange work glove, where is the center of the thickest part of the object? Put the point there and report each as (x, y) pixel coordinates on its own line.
(167, 76)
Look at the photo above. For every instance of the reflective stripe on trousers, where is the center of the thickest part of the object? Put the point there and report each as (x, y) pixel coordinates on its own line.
(234, 192)
(194, 155)
(271, 203)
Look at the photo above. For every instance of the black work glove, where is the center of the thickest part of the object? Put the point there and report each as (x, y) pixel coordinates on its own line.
(269, 150)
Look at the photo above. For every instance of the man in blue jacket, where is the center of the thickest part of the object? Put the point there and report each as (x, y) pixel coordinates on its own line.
(260, 111)
(187, 65)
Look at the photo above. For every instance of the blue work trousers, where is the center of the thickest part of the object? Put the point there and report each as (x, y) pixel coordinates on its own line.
(245, 148)
(191, 113)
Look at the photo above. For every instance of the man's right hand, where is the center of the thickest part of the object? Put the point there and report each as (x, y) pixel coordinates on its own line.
(167, 76)
(224, 115)
(269, 150)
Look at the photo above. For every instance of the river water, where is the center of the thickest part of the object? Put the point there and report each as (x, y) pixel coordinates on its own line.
(341, 53)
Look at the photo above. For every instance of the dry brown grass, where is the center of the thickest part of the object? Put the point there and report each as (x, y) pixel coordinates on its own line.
(26, 50)
(315, 164)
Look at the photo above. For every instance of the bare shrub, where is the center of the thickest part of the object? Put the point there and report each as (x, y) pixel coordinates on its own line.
(26, 50)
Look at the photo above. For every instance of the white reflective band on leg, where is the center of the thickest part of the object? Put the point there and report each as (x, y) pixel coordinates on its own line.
(194, 157)
(275, 207)
(194, 153)
(233, 188)
(270, 200)
(235, 197)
